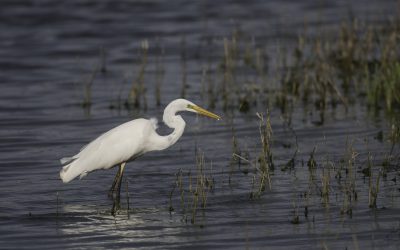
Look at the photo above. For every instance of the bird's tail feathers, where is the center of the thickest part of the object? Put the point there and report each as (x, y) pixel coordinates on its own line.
(66, 160)
(68, 172)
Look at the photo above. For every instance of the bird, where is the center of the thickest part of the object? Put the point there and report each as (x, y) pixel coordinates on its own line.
(127, 142)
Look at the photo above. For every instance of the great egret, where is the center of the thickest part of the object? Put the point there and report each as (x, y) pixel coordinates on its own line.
(127, 142)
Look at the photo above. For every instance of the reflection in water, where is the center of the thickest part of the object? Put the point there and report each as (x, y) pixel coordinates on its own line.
(141, 227)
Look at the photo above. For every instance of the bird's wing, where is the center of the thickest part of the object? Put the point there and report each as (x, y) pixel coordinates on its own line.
(120, 144)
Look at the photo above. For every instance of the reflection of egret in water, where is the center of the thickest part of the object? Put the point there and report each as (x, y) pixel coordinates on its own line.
(87, 226)
(126, 143)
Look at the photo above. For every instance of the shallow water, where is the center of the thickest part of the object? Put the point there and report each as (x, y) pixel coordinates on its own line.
(49, 48)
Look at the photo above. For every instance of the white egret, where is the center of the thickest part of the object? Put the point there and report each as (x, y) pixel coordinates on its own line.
(127, 142)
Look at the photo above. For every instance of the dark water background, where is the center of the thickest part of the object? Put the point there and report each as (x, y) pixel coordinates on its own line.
(49, 48)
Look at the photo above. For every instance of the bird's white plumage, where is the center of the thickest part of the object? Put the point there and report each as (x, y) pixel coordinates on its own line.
(128, 141)
(120, 144)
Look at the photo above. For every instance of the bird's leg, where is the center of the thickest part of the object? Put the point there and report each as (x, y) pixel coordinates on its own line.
(119, 181)
(112, 189)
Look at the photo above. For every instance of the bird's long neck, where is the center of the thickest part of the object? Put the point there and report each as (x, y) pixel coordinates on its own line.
(175, 122)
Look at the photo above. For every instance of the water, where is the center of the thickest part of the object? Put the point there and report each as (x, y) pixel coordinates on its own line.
(48, 49)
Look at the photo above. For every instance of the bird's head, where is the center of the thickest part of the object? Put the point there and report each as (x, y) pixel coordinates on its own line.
(185, 105)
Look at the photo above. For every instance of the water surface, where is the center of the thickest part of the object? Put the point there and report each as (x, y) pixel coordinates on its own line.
(48, 51)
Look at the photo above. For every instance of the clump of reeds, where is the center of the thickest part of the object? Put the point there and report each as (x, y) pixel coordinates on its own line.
(159, 74)
(236, 153)
(265, 130)
(325, 183)
(203, 185)
(291, 163)
(312, 163)
(240, 71)
(184, 67)
(178, 184)
(194, 190)
(394, 134)
(373, 185)
(137, 93)
(348, 188)
(240, 157)
(265, 158)
(87, 88)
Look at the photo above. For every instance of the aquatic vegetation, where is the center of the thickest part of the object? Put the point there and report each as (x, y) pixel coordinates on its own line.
(103, 66)
(360, 61)
(394, 134)
(87, 88)
(159, 72)
(263, 164)
(325, 183)
(137, 94)
(193, 190)
(184, 67)
(348, 188)
(373, 185)
(292, 162)
(357, 64)
(265, 159)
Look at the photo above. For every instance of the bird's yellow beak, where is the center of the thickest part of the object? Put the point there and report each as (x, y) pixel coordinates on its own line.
(204, 112)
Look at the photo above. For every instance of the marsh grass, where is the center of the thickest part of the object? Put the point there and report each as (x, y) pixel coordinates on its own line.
(171, 193)
(266, 157)
(357, 63)
(348, 187)
(394, 134)
(325, 183)
(87, 88)
(117, 102)
(183, 67)
(193, 189)
(262, 165)
(290, 165)
(203, 185)
(100, 66)
(103, 66)
(373, 183)
(236, 155)
(137, 94)
(160, 72)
